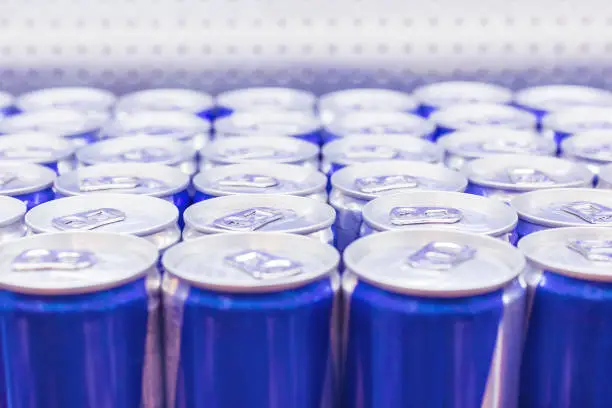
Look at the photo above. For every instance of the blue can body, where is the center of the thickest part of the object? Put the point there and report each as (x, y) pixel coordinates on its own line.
(36, 198)
(524, 228)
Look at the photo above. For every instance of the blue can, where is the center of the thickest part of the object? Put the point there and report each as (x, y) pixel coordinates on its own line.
(504, 177)
(81, 99)
(30, 183)
(592, 148)
(567, 355)
(261, 313)
(80, 128)
(297, 124)
(439, 95)
(564, 123)
(354, 186)
(7, 105)
(264, 99)
(167, 99)
(260, 178)
(12, 227)
(53, 152)
(432, 318)
(78, 321)
(339, 103)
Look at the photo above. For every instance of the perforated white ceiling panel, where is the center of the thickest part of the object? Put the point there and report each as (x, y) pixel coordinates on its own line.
(318, 44)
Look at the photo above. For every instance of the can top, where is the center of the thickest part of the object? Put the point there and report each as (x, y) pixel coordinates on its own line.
(34, 147)
(361, 149)
(486, 141)
(267, 123)
(578, 119)
(443, 94)
(262, 213)
(591, 145)
(6, 99)
(262, 98)
(578, 252)
(379, 124)
(550, 98)
(179, 126)
(73, 262)
(18, 178)
(244, 262)
(440, 210)
(58, 122)
(164, 99)
(82, 99)
(370, 180)
(136, 149)
(275, 149)
(434, 262)
(525, 173)
(483, 114)
(260, 178)
(11, 210)
(127, 178)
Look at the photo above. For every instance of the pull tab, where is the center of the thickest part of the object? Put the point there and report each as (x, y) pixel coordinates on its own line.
(29, 152)
(379, 129)
(145, 155)
(6, 178)
(88, 220)
(256, 152)
(248, 220)
(441, 256)
(371, 152)
(592, 213)
(526, 175)
(51, 259)
(249, 180)
(379, 184)
(507, 146)
(424, 215)
(109, 183)
(593, 250)
(262, 265)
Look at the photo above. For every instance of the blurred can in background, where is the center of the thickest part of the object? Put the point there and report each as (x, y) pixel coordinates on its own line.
(592, 148)
(264, 99)
(53, 152)
(564, 123)
(81, 99)
(12, 225)
(7, 105)
(30, 183)
(166, 99)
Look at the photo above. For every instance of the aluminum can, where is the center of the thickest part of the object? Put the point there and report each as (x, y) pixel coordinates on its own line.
(81, 99)
(30, 183)
(12, 225)
(562, 124)
(451, 306)
(166, 99)
(53, 152)
(592, 148)
(264, 99)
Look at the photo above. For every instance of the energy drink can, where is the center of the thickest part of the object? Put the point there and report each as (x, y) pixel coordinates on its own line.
(505, 177)
(270, 149)
(566, 357)
(377, 125)
(561, 124)
(81, 99)
(166, 99)
(472, 115)
(354, 186)
(444, 94)
(259, 310)
(466, 145)
(260, 178)
(79, 329)
(440, 210)
(12, 226)
(592, 148)
(30, 183)
(432, 318)
(140, 149)
(53, 152)
(336, 104)
(264, 99)
(260, 213)
(7, 105)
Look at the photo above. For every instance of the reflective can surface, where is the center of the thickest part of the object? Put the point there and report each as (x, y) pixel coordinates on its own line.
(166, 99)
(12, 225)
(30, 183)
(564, 123)
(53, 152)
(593, 148)
(81, 99)
(264, 99)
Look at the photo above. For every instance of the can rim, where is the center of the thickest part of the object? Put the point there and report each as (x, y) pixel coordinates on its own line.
(33, 98)
(66, 150)
(233, 99)
(15, 207)
(46, 177)
(424, 93)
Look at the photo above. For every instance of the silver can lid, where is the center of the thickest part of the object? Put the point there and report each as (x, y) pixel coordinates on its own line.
(58, 122)
(593, 145)
(126, 178)
(579, 252)
(434, 262)
(550, 98)
(260, 178)
(370, 180)
(82, 99)
(526, 173)
(119, 213)
(18, 178)
(579, 119)
(273, 149)
(487, 141)
(6, 100)
(74, 262)
(443, 94)
(164, 99)
(380, 124)
(260, 213)
(566, 207)
(483, 114)
(267, 123)
(267, 98)
(441, 210)
(244, 262)
(361, 149)
(136, 149)
(11, 210)
(34, 147)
